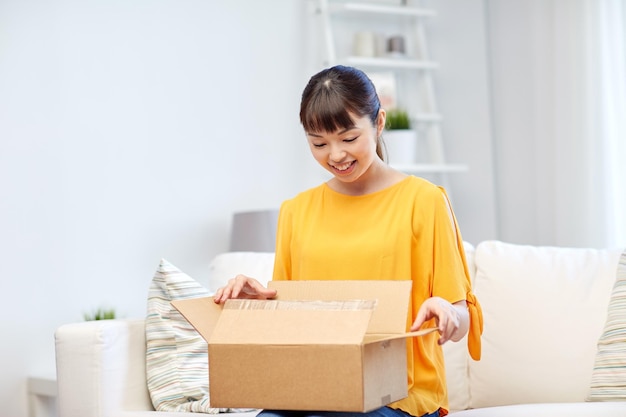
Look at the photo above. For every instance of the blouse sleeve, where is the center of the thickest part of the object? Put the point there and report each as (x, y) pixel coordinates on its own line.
(282, 260)
(473, 306)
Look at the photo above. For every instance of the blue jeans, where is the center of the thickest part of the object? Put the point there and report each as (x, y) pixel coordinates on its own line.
(380, 412)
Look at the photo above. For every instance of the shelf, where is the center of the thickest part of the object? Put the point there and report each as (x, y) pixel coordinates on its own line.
(381, 9)
(433, 168)
(391, 63)
(413, 70)
(41, 391)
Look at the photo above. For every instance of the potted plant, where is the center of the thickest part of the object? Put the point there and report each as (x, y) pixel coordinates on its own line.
(100, 314)
(400, 139)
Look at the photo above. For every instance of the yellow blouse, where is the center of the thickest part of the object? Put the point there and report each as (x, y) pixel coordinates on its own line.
(405, 231)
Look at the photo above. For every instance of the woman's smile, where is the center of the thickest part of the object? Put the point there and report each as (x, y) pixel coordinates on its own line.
(344, 168)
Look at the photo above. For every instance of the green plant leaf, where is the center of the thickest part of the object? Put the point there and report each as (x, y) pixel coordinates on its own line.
(397, 119)
(100, 314)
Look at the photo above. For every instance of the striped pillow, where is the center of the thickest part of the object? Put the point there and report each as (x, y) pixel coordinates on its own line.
(177, 368)
(608, 381)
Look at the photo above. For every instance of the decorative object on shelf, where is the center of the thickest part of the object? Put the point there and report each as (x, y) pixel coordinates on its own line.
(400, 139)
(395, 47)
(385, 83)
(365, 44)
(254, 231)
(100, 314)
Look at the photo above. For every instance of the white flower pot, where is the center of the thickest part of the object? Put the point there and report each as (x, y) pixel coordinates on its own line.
(401, 146)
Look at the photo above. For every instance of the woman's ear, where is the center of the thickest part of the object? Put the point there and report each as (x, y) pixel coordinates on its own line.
(381, 121)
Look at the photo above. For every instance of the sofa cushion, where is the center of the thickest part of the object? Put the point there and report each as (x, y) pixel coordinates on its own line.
(544, 309)
(613, 409)
(176, 355)
(608, 381)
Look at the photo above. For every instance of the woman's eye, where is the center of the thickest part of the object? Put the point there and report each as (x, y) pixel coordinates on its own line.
(350, 140)
(319, 145)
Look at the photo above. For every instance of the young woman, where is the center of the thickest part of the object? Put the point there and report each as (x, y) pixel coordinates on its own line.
(370, 221)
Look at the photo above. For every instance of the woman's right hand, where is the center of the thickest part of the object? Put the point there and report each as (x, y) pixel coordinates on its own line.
(243, 287)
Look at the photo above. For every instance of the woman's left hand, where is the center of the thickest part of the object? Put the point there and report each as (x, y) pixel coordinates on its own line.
(452, 319)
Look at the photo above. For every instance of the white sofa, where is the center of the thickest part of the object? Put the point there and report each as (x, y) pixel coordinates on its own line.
(544, 311)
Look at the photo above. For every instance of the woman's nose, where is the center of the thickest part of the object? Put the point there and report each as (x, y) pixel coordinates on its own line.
(337, 153)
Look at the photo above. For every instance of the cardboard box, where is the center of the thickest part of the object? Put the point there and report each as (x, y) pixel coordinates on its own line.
(321, 345)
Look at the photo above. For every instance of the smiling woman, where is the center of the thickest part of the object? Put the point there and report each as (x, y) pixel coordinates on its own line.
(343, 120)
(372, 222)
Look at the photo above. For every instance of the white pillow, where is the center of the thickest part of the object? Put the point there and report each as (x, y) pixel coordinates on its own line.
(544, 309)
(176, 357)
(608, 382)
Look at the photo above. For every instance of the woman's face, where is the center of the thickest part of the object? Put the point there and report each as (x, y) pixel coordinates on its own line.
(347, 153)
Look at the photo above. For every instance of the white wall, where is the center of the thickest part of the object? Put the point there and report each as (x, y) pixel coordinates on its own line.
(131, 130)
(518, 110)
(458, 41)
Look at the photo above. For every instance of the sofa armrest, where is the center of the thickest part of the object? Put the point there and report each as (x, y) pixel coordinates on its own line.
(101, 368)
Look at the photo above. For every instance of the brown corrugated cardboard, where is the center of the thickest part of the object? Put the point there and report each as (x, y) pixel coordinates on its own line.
(321, 345)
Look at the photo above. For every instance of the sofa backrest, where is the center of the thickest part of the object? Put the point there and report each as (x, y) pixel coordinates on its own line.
(544, 309)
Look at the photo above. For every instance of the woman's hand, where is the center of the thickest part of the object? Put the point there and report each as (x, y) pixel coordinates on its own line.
(452, 319)
(243, 287)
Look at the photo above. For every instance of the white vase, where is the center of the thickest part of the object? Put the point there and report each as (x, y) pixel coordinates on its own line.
(401, 146)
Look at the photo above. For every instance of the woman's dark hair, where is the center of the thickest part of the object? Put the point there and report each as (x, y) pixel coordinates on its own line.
(332, 94)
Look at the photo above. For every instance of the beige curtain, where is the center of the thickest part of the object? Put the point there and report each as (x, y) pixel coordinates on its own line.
(559, 110)
(610, 30)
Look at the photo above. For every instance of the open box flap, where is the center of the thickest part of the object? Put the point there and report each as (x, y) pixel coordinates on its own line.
(377, 337)
(278, 322)
(202, 313)
(390, 314)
